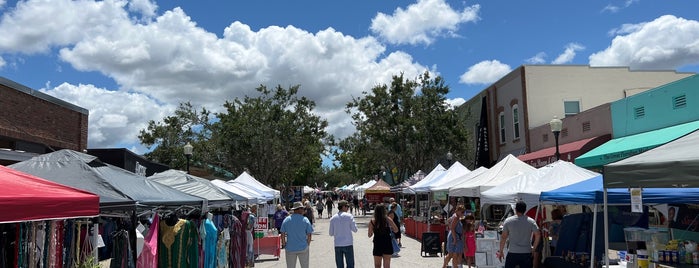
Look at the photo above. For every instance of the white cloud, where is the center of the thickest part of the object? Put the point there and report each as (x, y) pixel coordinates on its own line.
(455, 102)
(36, 26)
(422, 22)
(539, 58)
(485, 72)
(115, 116)
(614, 8)
(169, 60)
(667, 42)
(143, 7)
(569, 53)
(2, 62)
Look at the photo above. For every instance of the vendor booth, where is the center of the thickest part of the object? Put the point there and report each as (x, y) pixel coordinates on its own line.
(34, 209)
(380, 192)
(674, 164)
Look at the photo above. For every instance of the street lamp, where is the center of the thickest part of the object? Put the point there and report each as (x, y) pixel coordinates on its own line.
(450, 156)
(188, 153)
(556, 126)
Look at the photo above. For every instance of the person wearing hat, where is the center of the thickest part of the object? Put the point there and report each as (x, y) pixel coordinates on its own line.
(296, 236)
(341, 227)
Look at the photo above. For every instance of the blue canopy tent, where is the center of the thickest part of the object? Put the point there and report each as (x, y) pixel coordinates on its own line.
(591, 192)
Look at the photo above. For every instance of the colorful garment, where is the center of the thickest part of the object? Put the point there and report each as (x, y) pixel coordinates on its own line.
(238, 243)
(149, 254)
(470, 240)
(178, 246)
(210, 241)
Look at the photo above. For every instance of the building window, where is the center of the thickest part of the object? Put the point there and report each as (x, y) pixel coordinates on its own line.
(502, 127)
(545, 137)
(571, 108)
(564, 132)
(679, 102)
(586, 126)
(639, 112)
(515, 121)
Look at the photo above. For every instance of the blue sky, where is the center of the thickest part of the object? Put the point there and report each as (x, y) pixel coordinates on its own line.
(133, 61)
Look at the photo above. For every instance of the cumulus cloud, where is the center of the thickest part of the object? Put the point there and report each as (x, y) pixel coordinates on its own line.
(569, 53)
(2, 62)
(115, 116)
(667, 42)
(169, 59)
(539, 58)
(422, 22)
(485, 72)
(143, 7)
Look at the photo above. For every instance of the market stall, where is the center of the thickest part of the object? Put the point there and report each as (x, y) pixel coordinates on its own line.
(380, 192)
(35, 209)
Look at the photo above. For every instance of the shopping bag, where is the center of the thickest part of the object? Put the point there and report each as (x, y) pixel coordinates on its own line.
(396, 248)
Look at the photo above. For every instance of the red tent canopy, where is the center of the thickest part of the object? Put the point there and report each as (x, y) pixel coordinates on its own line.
(24, 197)
(379, 192)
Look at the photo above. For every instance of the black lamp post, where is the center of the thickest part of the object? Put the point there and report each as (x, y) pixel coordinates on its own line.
(188, 153)
(556, 126)
(450, 158)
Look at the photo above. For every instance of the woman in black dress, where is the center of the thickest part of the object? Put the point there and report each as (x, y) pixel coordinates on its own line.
(380, 228)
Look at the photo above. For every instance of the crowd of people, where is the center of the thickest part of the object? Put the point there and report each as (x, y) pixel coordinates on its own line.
(519, 232)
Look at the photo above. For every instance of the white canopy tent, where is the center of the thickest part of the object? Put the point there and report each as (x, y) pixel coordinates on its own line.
(528, 187)
(250, 197)
(435, 173)
(445, 185)
(448, 178)
(248, 180)
(456, 169)
(507, 168)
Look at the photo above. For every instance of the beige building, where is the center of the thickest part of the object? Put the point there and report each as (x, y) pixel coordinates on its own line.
(531, 95)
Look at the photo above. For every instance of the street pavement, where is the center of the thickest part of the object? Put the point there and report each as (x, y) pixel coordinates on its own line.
(322, 251)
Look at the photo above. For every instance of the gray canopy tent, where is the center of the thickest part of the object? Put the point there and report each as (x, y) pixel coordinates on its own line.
(674, 164)
(111, 183)
(197, 186)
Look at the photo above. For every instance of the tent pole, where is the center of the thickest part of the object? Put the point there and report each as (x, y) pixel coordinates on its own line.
(606, 230)
(594, 235)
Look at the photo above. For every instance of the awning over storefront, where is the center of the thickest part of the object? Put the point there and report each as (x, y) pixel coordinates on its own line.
(621, 148)
(568, 151)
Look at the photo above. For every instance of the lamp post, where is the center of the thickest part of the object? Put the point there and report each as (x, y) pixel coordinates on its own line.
(450, 157)
(188, 153)
(556, 126)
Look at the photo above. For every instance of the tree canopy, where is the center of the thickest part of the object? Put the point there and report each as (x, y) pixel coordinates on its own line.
(402, 128)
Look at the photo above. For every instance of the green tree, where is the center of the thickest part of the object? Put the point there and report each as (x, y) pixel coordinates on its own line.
(169, 136)
(402, 128)
(275, 136)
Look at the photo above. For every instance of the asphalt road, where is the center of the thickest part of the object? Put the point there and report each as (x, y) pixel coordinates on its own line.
(322, 251)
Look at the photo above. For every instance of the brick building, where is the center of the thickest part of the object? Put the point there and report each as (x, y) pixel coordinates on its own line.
(33, 123)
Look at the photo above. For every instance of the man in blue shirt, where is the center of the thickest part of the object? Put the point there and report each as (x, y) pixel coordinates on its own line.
(341, 227)
(296, 237)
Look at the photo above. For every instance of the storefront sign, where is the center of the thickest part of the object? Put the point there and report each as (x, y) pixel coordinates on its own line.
(261, 223)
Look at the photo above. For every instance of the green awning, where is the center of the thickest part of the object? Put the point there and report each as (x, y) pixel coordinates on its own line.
(621, 148)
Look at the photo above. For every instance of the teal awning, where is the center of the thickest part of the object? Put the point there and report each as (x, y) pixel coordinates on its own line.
(621, 148)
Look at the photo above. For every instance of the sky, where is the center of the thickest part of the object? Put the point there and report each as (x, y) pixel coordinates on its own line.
(129, 62)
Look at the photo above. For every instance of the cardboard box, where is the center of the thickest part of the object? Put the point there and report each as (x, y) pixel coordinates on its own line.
(481, 258)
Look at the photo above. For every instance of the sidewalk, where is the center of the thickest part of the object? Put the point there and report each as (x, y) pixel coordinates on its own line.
(322, 250)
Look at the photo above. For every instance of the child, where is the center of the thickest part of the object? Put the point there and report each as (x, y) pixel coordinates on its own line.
(470, 243)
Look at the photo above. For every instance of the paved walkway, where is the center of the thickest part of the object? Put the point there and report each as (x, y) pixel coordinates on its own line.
(322, 250)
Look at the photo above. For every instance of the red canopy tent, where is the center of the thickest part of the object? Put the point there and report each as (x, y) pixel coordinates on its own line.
(379, 192)
(24, 197)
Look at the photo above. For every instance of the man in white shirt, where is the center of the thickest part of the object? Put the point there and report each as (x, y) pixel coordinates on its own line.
(341, 227)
